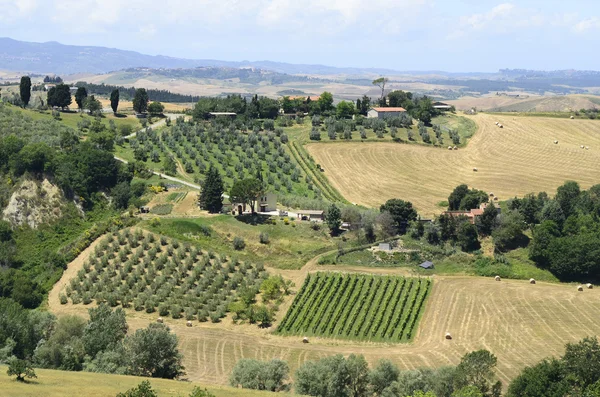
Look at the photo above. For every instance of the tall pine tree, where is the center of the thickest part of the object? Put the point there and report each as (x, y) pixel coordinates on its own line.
(211, 196)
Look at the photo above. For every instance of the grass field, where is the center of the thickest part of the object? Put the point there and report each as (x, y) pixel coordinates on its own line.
(53, 383)
(351, 306)
(517, 159)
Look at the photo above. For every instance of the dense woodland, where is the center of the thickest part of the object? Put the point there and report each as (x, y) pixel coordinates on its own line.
(128, 93)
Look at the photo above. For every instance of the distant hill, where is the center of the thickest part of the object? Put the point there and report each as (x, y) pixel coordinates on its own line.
(53, 57)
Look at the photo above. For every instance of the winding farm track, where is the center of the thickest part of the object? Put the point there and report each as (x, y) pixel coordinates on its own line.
(519, 322)
(515, 160)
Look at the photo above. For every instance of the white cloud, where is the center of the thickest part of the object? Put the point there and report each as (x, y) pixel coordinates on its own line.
(13, 9)
(587, 24)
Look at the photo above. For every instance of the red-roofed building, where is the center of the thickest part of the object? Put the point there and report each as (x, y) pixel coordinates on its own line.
(385, 113)
(472, 214)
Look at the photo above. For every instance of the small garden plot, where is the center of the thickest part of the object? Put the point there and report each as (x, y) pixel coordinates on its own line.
(356, 306)
(155, 273)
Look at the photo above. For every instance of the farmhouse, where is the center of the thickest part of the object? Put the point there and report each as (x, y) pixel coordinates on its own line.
(441, 106)
(473, 213)
(385, 113)
(311, 215)
(267, 203)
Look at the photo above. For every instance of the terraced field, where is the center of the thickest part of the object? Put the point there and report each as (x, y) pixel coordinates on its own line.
(352, 306)
(515, 160)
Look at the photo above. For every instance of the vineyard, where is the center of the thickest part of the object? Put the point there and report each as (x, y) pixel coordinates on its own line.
(360, 307)
(237, 154)
(156, 273)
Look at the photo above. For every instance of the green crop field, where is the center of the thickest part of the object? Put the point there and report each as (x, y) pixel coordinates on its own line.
(359, 307)
(235, 153)
(146, 271)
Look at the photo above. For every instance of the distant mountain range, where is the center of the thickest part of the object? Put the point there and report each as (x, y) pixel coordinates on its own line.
(53, 57)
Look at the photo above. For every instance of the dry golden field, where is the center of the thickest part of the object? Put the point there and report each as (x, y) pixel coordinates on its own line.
(515, 160)
(519, 322)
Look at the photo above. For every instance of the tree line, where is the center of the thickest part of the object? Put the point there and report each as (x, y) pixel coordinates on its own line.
(128, 93)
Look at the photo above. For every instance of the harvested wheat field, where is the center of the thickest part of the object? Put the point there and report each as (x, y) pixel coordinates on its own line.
(515, 160)
(519, 322)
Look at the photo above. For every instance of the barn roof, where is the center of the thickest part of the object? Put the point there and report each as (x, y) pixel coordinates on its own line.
(398, 109)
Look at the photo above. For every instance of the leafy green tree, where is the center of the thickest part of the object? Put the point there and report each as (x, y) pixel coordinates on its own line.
(59, 96)
(114, 101)
(509, 233)
(144, 389)
(383, 375)
(344, 110)
(358, 375)
(365, 105)
(325, 102)
(477, 369)
(80, 97)
(92, 104)
(402, 212)
(487, 221)
(156, 108)
(25, 90)
(121, 194)
(211, 196)
(21, 369)
(334, 219)
(582, 361)
(457, 196)
(543, 235)
(153, 352)
(246, 191)
(169, 165)
(567, 197)
(545, 379)
(140, 101)
(467, 237)
(260, 375)
(105, 329)
(425, 111)
(552, 211)
(64, 348)
(328, 377)
(198, 392)
(468, 391)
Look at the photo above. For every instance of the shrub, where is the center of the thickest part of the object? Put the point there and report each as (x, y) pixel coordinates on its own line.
(264, 238)
(21, 368)
(176, 311)
(163, 309)
(239, 243)
(63, 299)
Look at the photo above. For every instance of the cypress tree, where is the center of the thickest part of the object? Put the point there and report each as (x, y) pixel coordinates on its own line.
(114, 100)
(25, 90)
(80, 97)
(211, 196)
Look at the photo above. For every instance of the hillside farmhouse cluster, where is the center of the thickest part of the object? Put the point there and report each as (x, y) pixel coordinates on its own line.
(472, 214)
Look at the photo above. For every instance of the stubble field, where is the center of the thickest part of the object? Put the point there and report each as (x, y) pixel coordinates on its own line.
(519, 322)
(515, 160)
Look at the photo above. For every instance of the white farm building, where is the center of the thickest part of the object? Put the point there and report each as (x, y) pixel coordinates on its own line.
(385, 113)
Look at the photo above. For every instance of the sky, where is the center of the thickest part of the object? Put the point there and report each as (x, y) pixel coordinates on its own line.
(454, 36)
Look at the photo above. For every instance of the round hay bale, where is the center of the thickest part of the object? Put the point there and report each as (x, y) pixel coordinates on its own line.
(582, 146)
(449, 147)
(580, 288)
(189, 323)
(497, 122)
(501, 126)
(496, 198)
(455, 148)
(531, 281)
(497, 278)
(572, 117)
(491, 194)
(448, 336)
(159, 320)
(475, 169)
(555, 142)
(305, 340)
(589, 286)
(587, 148)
